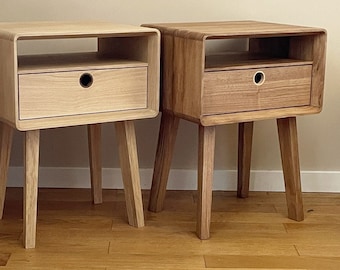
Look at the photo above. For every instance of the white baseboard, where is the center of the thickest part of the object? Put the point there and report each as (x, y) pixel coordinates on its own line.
(312, 181)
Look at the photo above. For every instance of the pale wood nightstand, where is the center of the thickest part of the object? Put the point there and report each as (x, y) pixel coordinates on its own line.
(118, 82)
(273, 71)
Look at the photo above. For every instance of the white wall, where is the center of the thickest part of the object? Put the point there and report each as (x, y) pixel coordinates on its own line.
(318, 134)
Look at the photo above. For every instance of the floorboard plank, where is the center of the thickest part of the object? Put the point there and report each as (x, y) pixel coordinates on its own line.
(252, 233)
(272, 262)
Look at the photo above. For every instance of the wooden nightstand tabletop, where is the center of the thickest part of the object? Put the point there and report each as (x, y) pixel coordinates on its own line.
(12, 31)
(223, 29)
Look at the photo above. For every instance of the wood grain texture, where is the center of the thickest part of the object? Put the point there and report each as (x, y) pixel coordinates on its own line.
(130, 171)
(60, 29)
(312, 48)
(164, 153)
(8, 81)
(221, 119)
(245, 140)
(74, 234)
(167, 72)
(271, 262)
(187, 81)
(225, 29)
(6, 136)
(206, 151)
(144, 48)
(28, 64)
(85, 119)
(95, 157)
(31, 158)
(291, 167)
(236, 91)
(57, 94)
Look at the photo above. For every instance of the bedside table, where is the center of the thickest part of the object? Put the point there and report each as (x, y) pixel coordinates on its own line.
(117, 82)
(253, 71)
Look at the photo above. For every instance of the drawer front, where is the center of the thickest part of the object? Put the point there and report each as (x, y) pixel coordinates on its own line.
(256, 89)
(57, 94)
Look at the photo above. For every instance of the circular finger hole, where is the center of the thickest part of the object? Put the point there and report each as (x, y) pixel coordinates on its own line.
(86, 80)
(259, 78)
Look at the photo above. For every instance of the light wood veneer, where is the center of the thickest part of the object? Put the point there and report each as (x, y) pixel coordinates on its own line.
(118, 82)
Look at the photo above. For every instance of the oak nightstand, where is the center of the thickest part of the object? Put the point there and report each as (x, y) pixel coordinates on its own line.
(271, 71)
(117, 82)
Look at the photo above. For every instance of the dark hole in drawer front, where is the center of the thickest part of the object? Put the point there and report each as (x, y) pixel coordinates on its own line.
(243, 90)
(55, 94)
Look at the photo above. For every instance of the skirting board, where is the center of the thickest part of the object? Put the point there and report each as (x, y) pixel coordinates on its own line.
(312, 181)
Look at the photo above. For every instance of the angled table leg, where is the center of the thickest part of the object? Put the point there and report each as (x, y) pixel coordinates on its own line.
(245, 139)
(95, 156)
(130, 170)
(165, 147)
(291, 168)
(31, 157)
(6, 136)
(206, 150)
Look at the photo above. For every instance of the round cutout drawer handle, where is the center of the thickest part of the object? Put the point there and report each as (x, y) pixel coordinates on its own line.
(259, 78)
(86, 80)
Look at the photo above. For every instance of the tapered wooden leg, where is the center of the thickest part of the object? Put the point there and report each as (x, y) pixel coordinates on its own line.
(291, 168)
(95, 153)
(130, 170)
(245, 139)
(6, 135)
(165, 147)
(31, 156)
(206, 151)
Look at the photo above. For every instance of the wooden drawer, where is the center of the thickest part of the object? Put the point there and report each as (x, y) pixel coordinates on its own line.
(56, 94)
(241, 90)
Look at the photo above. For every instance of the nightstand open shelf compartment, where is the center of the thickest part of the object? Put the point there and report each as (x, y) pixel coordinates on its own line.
(117, 81)
(254, 71)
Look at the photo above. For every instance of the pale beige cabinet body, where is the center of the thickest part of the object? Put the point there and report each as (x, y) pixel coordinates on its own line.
(278, 72)
(116, 82)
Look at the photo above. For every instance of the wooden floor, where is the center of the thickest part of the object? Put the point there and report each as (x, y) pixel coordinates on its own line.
(251, 233)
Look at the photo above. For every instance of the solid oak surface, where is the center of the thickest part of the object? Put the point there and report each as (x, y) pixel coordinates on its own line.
(252, 233)
(119, 82)
(27, 30)
(225, 29)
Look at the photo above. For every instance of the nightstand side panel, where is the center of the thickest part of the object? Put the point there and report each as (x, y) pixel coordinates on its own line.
(8, 81)
(312, 47)
(188, 73)
(143, 47)
(167, 72)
